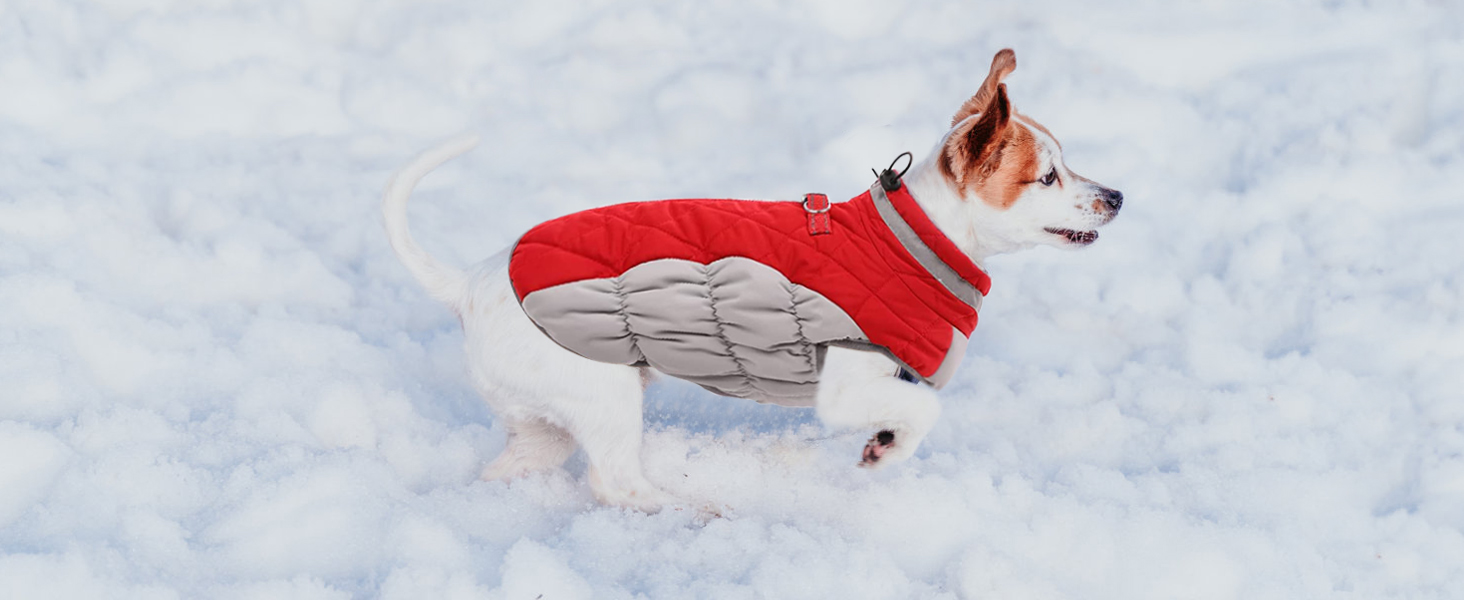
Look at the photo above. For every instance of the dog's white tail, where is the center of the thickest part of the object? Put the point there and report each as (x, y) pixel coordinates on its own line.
(443, 282)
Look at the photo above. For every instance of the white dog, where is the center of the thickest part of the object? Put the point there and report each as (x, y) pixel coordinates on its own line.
(995, 183)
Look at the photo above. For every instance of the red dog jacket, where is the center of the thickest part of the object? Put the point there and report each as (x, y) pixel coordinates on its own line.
(743, 296)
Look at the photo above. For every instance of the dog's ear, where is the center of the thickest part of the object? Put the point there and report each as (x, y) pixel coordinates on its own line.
(973, 150)
(1002, 65)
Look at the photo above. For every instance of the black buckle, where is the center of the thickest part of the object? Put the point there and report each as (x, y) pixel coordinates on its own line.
(889, 179)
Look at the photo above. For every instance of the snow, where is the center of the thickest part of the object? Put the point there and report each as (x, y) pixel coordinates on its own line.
(218, 382)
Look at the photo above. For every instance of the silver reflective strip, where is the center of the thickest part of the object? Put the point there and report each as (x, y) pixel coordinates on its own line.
(922, 253)
(952, 360)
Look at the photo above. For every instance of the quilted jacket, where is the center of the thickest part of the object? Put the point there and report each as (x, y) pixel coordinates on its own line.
(743, 296)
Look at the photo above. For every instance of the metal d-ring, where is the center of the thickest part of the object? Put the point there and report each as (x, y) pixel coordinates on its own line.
(817, 211)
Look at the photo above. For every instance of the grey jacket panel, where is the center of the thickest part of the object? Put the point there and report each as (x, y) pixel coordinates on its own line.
(736, 326)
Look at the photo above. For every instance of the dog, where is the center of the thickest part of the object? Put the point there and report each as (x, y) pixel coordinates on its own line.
(995, 183)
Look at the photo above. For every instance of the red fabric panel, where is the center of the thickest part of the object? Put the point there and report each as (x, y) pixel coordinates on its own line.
(860, 265)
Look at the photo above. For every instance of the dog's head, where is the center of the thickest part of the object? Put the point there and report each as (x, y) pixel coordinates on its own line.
(1009, 170)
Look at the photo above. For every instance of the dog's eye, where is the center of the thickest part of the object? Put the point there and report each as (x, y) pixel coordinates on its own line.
(1049, 178)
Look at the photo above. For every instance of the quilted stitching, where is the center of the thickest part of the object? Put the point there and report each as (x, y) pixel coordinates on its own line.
(621, 298)
(807, 345)
(722, 328)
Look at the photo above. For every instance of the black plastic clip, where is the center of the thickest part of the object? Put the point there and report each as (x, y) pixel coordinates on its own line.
(889, 179)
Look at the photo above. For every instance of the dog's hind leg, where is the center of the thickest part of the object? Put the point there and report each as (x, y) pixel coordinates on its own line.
(610, 434)
(543, 391)
(533, 445)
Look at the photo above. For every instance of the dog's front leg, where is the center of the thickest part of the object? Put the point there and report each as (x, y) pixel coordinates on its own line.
(861, 390)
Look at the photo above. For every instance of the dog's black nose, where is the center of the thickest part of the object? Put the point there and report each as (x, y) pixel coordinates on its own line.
(1113, 198)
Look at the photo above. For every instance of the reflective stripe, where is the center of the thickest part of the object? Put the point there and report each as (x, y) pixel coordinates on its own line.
(942, 272)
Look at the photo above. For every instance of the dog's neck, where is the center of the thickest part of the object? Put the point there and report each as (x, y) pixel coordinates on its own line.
(958, 217)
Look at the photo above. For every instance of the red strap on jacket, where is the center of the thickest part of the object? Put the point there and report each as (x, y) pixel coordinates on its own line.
(817, 206)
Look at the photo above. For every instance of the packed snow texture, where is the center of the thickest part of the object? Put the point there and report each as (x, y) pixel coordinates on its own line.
(216, 380)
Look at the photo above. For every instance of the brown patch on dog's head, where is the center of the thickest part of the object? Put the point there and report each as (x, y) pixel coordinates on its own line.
(989, 155)
(1017, 169)
(974, 148)
(1002, 65)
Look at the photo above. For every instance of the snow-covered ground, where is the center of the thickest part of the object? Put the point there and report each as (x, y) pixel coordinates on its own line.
(216, 381)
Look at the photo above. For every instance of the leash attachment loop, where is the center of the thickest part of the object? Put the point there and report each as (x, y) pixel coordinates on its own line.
(819, 221)
(889, 179)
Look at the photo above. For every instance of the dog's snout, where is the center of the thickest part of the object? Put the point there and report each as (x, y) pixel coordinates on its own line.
(1113, 198)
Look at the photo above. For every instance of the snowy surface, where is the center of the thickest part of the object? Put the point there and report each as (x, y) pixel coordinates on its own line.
(216, 381)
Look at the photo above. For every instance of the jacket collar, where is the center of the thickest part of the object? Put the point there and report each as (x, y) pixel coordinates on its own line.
(931, 248)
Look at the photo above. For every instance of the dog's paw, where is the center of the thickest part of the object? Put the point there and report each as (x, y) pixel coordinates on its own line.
(879, 445)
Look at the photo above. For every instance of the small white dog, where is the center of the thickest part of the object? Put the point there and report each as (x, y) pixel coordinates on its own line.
(995, 183)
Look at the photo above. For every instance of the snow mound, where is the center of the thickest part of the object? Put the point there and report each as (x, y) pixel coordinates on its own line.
(218, 381)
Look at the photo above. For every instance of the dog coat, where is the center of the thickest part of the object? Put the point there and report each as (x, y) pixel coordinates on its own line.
(743, 297)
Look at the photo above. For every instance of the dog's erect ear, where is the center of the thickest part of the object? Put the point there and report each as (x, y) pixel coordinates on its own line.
(1001, 65)
(973, 150)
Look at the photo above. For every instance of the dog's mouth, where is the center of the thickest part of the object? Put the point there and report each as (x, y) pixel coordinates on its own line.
(1081, 238)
